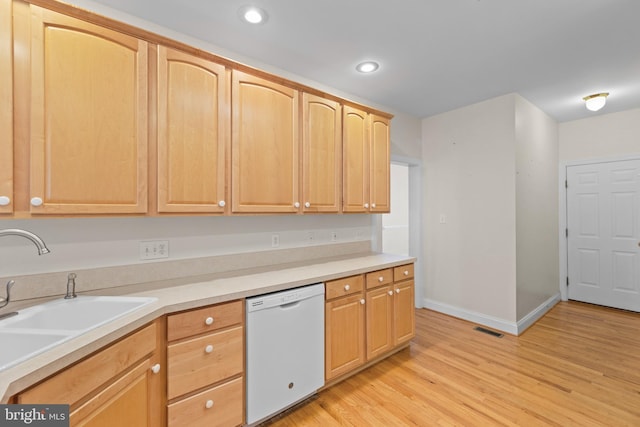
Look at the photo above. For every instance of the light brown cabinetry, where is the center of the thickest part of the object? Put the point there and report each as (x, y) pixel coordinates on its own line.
(193, 118)
(344, 326)
(88, 117)
(122, 384)
(265, 146)
(205, 366)
(6, 107)
(321, 154)
(367, 317)
(366, 162)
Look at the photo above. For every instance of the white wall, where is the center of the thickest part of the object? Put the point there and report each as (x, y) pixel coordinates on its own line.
(607, 135)
(469, 161)
(537, 257)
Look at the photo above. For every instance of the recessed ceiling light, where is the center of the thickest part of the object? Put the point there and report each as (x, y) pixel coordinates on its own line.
(253, 15)
(367, 66)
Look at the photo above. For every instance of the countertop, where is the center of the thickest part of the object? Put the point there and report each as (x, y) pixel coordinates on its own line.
(188, 293)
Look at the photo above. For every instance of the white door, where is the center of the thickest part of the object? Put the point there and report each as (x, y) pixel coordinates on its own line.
(395, 224)
(603, 218)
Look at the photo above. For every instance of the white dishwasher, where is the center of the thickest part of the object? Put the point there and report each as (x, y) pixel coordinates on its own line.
(285, 349)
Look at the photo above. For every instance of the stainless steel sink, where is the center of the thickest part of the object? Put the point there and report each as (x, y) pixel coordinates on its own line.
(38, 328)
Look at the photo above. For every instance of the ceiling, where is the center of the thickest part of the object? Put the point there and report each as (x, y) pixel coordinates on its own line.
(434, 55)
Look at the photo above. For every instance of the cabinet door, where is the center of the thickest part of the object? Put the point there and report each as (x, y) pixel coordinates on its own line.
(380, 165)
(192, 133)
(264, 144)
(6, 108)
(379, 321)
(88, 117)
(321, 154)
(404, 312)
(355, 142)
(128, 401)
(344, 335)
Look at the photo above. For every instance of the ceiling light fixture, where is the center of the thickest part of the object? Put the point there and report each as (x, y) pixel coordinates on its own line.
(253, 15)
(596, 101)
(367, 66)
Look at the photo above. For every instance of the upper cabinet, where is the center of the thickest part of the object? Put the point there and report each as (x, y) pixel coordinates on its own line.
(88, 121)
(264, 142)
(6, 108)
(379, 165)
(321, 154)
(193, 105)
(366, 160)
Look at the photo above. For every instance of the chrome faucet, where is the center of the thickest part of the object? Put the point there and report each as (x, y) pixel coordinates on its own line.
(42, 249)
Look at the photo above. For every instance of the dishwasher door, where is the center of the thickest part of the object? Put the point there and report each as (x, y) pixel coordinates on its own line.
(285, 349)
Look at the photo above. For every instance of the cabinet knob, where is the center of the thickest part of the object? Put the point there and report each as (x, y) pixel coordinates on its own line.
(4, 200)
(347, 287)
(155, 368)
(208, 349)
(390, 293)
(397, 290)
(406, 272)
(208, 321)
(296, 205)
(366, 205)
(221, 203)
(362, 301)
(36, 201)
(307, 205)
(373, 205)
(381, 279)
(209, 404)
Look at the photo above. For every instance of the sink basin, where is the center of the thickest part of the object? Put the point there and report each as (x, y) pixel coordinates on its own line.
(19, 346)
(78, 314)
(41, 327)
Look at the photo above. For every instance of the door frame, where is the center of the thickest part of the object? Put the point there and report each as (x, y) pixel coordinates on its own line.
(562, 213)
(415, 223)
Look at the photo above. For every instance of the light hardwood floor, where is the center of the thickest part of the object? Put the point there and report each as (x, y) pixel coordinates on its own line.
(577, 366)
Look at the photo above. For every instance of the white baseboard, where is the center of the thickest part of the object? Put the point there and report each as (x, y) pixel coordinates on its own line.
(537, 313)
(512, 328)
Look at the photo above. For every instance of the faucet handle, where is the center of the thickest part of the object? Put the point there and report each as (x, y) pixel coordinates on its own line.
(7, 299)
(71, 286)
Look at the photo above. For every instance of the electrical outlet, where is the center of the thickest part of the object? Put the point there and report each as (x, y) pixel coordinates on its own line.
(275, 240)
(154, 249)
(334, 236)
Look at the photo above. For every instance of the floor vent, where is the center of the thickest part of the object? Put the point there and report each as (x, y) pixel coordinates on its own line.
(489, 332)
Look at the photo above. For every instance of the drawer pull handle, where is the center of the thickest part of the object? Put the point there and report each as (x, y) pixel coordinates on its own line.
(208, 321)
(381, 279)
(208, 349)
(366, 205)
(390, 293)
(36, 201)
(307, 205)
(362, 301)
(406, 272)
(155, 368)
(4, 201)
(296, 205)
(209, 404)
(347, 287)
(373, 205)
(397, 291)
(221, 203)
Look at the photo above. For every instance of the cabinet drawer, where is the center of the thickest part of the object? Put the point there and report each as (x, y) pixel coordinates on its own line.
(78, 381)
(203, 320)
(341, 287)
(217, 406)
(403, 272)
(379, 278)
(204, 360)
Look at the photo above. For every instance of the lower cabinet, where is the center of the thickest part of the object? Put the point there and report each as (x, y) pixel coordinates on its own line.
(205, 366)
(119, 385)
(366, 317)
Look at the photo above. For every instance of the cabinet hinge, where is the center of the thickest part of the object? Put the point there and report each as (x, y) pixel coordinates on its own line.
(566, 232)
(567, 280)
(566, 184)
